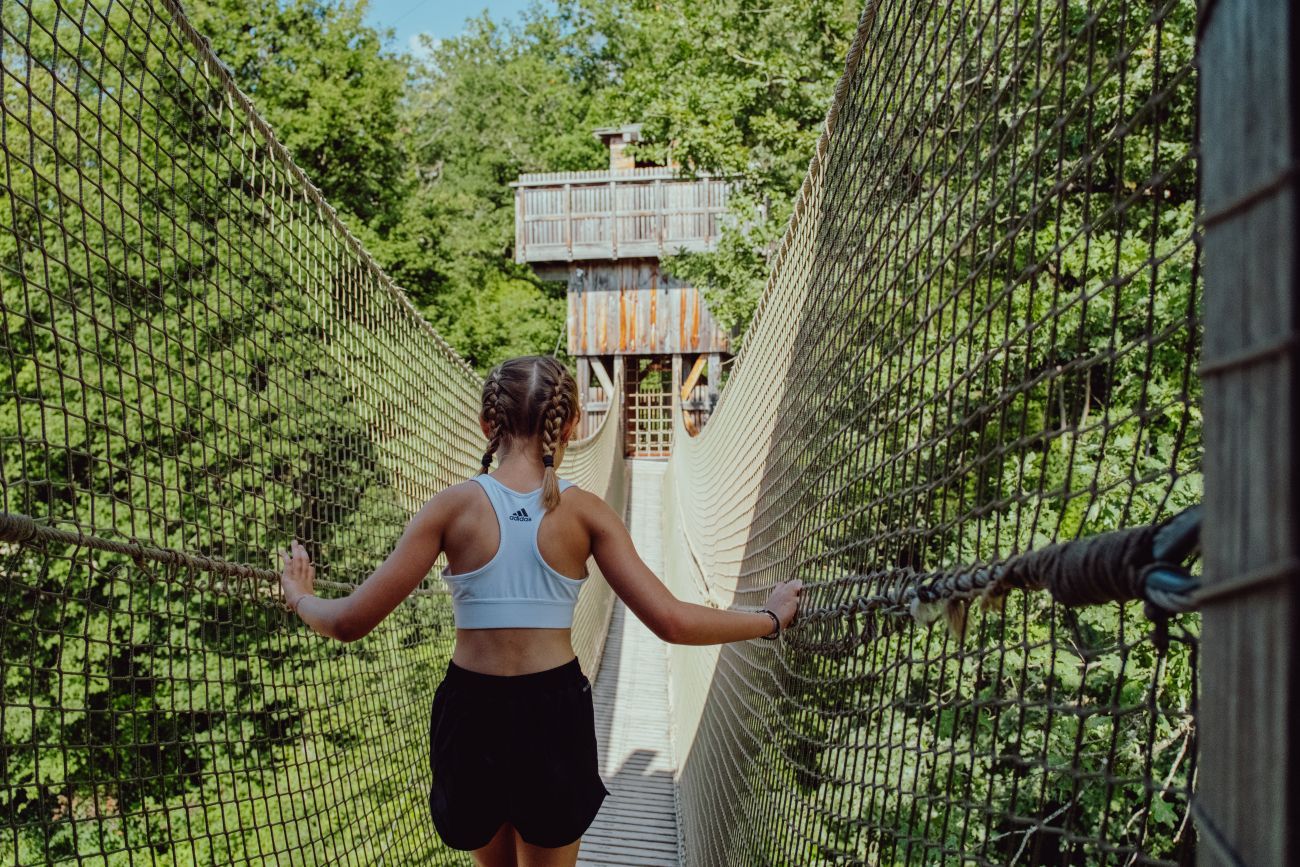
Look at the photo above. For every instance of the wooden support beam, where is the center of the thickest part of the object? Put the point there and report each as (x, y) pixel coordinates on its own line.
(584, 376)
(715, 378)
(598, 367)
(677, 375)
(693, 377)
(584, 394)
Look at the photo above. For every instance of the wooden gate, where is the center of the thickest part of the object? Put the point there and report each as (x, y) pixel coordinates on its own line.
(648, 406)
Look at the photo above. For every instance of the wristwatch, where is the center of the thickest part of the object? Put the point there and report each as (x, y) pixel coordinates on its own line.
(776, 624)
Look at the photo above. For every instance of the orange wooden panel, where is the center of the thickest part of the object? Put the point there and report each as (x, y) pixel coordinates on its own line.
(695, 318)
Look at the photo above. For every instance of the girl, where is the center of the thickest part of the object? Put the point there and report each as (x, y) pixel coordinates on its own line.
(512, 734)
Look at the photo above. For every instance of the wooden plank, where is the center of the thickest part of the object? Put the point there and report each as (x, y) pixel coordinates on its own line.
(637, 824)
(598, 367)
(715, 378)
(521, 251)
(653, 290)
(568, 221)
(1247, 810)
(677, 376)
(636, 310)
(693, 377)
(613, 220)
(584, 388)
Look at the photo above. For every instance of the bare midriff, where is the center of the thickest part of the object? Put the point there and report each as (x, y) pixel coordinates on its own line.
(512, 651)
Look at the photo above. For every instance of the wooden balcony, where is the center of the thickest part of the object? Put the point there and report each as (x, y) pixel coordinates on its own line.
(623, 214)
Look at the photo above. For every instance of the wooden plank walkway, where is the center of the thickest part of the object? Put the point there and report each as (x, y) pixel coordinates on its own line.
(638, 823)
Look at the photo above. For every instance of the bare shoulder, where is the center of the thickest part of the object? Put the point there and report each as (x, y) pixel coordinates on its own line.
(451, 501)
(591, 509)
(458, 493)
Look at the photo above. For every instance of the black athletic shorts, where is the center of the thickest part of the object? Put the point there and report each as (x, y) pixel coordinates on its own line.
(518, 749)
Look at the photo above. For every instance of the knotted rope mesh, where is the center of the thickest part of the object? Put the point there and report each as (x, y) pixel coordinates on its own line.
(978, 339)
(200, 363)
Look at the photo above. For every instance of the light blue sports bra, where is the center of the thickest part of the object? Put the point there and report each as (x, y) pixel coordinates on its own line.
(516, 588)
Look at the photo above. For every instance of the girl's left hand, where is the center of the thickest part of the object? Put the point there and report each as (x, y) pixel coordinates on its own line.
(299, 576)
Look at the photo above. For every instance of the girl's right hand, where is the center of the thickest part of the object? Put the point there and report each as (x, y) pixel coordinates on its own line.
(783, 601)
(299, 576)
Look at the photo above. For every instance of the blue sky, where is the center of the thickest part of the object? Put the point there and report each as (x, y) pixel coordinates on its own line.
(439, 18)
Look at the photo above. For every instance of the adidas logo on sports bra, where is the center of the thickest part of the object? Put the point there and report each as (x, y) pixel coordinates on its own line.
(521, 515)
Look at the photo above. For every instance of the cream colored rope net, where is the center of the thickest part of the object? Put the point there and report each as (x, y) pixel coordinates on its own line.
(978, 338)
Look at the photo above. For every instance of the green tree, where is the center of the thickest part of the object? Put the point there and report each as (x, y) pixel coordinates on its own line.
(497, 101)
(322, 79)
(198, 359)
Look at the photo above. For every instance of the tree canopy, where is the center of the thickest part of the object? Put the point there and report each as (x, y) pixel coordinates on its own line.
(417, 152)
(730, 87)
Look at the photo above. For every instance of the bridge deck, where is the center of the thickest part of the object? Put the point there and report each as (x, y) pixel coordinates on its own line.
(638, 823)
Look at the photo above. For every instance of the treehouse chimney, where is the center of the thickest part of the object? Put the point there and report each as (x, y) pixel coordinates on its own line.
(617, 139)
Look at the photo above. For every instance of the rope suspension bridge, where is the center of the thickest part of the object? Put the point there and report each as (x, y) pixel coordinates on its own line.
(967, 414)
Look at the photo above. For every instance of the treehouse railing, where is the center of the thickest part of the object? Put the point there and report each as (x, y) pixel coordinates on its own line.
(624, 214)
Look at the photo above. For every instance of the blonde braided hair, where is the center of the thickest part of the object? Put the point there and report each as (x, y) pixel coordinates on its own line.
(533, 396)
(492, 415)
(555, 414)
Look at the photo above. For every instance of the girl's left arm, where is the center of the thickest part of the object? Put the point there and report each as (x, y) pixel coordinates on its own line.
(350, 617)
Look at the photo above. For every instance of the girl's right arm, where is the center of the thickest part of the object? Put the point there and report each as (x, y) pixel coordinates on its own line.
(670, 618)
(347, 618)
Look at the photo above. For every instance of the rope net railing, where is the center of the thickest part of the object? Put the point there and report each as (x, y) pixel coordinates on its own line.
(978, 340)
(596, 464)
(200, 363)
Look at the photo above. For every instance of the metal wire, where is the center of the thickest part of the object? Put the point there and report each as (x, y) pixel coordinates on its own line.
(978, 339)
(201, 362)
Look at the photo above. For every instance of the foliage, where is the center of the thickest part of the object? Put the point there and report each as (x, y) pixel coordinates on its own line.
(196, 358)
(320, 77)
(497, 101)
(736, 88)
(1001, 331)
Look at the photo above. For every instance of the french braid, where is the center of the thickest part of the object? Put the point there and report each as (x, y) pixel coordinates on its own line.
(556, 412)
(493, 416)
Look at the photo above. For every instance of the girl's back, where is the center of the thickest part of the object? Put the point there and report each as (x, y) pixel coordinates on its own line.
(473, 536)
(514, 569)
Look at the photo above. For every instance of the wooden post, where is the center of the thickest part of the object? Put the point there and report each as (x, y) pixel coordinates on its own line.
(1247, 808)
(704, 206)
(568, 220)
(613, 220)
(630, 384)
(661, 216)
(715, 378)
(584, 394)
(676, 382)
(521, 253)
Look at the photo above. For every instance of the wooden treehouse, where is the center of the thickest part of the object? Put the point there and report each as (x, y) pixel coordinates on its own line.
(604, 232)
